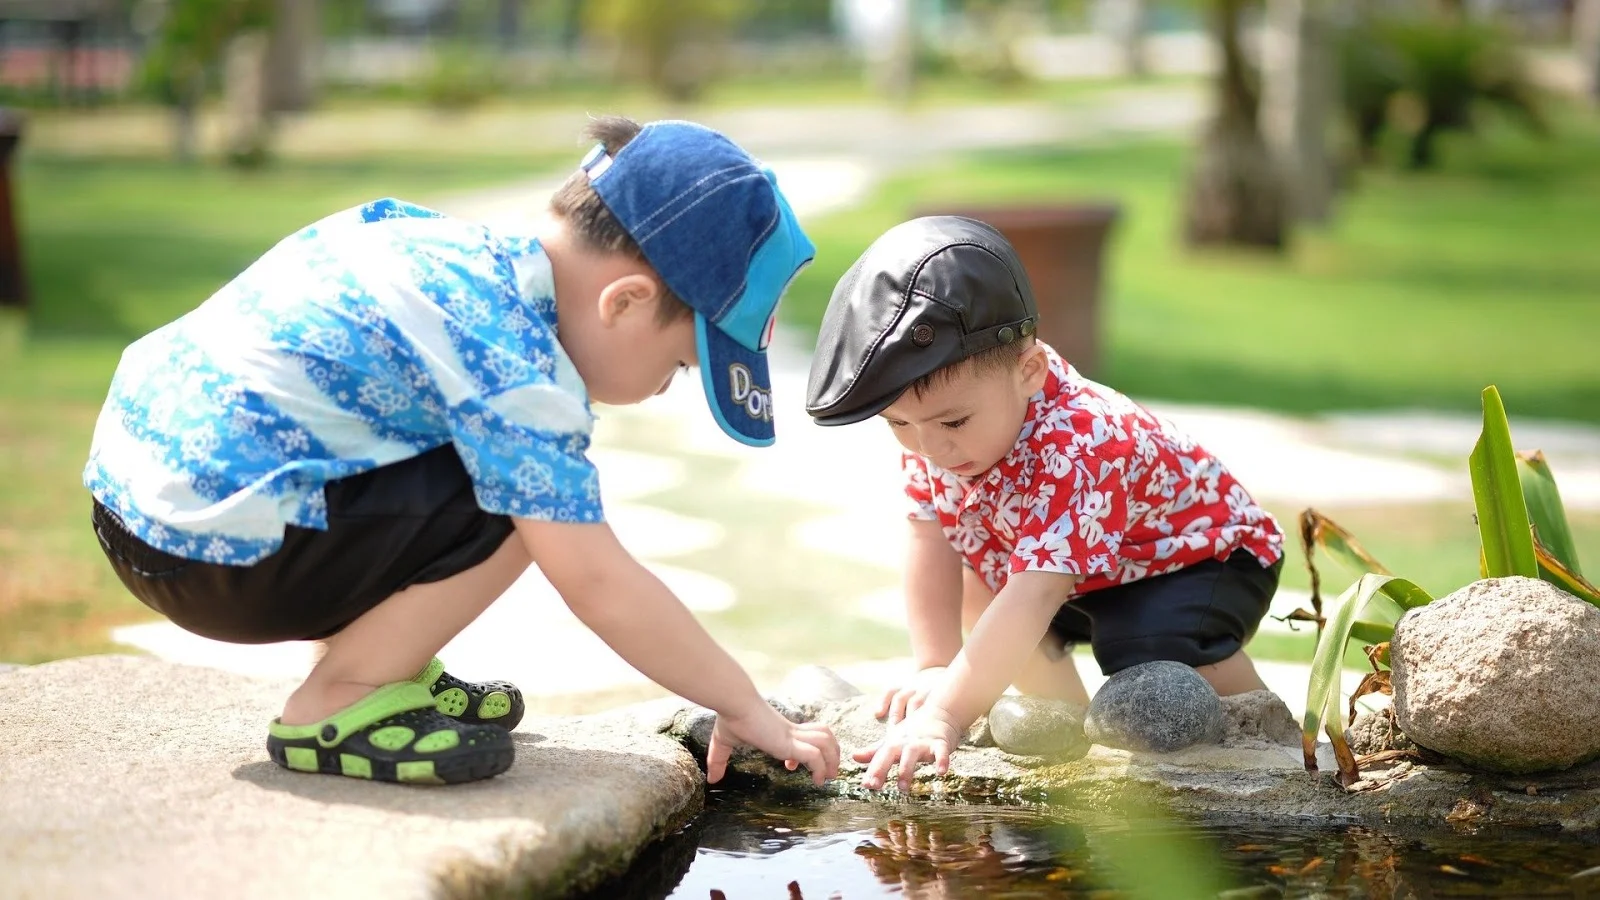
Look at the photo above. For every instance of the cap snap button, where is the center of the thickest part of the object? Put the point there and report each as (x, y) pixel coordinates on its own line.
(1028, 327)
(1007, 335)
(922, 335)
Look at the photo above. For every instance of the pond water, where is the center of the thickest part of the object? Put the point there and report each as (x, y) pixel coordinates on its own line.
(746, 846)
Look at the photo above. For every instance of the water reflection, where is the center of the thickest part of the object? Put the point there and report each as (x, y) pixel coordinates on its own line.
(745, 847)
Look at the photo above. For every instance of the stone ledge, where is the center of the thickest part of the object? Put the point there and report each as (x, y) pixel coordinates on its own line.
(127, 776)
(1248, 776)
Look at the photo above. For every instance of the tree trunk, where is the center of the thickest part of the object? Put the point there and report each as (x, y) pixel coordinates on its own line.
(1126, 22)
(246, 89)
(509, 23)
(1236, 196)
(1297, 103)
(1586, 40)
(188, 92)
(893, 63)
(292, 55)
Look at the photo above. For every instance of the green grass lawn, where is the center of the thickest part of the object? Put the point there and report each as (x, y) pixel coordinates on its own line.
(1423, 289)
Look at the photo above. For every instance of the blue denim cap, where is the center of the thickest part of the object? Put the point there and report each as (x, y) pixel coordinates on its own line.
(713, 224)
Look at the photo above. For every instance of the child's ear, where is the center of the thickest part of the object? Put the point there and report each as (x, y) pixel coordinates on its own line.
(628, 294)
(1034, 367)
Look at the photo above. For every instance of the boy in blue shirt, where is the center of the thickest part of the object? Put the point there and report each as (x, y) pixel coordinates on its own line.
(368, 435)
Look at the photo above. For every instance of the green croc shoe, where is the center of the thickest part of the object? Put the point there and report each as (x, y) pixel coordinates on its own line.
(481, 703)
(393, 734)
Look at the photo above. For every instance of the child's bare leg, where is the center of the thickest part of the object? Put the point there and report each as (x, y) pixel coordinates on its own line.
(1234, 675)
(1041, 676)
(395, 639)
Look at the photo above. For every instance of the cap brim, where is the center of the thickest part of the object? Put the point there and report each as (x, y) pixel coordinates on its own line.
(738, 385)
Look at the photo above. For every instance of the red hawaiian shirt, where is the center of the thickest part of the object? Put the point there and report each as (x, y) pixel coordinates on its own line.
(1096, 486)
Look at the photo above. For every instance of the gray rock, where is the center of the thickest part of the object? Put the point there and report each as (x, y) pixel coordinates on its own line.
(1156, 707)
(1375, 731)
(1503, 674)
(168, 788)
(814, 686)
(979, 735)
(1258, 717)
(1035, 726)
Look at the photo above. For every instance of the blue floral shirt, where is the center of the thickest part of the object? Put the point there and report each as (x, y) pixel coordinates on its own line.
(367, 338)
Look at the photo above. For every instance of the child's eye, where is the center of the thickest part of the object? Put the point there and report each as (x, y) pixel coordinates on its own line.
(895, 424)
(955, 423)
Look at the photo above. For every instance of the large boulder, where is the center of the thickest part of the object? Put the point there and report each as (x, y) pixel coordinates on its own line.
(1503, 675)
(126, 776)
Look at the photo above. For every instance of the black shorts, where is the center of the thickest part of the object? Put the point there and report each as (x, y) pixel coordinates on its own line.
(413, 522)
(1198, 615)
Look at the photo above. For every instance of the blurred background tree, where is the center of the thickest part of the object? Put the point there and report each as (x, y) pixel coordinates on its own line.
(184, 55)
(1236, 194)
(674, 47)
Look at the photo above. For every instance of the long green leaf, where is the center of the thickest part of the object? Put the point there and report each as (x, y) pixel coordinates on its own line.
(1497, 494)
(1317, 530)
(1556, 573)
(1545, 510)
(1378, 596)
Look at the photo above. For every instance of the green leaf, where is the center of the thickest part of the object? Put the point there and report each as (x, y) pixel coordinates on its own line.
(1555, 572)
(1545, 511)
(1368, 632)
(1373, 597)
(1497, 495)
(1317, 530)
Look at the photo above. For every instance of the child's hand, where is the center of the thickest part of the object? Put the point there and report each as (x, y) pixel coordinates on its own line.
(923, 737)
(899, 702)
(810, 745)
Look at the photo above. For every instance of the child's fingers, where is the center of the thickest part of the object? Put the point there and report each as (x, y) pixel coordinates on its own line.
(888, 698)
(898, 712)
(910, 758)
(716, 759)
(878, 772)
(821, 737)
(865, 755)
(830, 754)
(811, 758)
(941, 757)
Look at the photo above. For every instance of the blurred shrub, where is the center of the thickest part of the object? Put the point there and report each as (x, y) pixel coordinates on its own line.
(674, 47)
(1425, 76)
(461, 77)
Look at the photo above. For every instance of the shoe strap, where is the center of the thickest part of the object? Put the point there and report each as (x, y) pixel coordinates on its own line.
(430, 673)
(386, 701)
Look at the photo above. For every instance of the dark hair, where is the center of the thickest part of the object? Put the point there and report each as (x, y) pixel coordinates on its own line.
(587, 217)
(991, 360)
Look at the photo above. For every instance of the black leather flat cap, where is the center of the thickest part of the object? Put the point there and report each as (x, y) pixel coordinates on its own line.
(928, 293)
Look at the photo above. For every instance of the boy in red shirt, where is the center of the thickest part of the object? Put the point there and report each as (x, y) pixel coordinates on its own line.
(1048, 510)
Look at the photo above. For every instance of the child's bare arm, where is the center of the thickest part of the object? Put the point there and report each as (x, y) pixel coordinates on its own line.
(933, 615)
(933, 595)
(975, 679)
(637, 616)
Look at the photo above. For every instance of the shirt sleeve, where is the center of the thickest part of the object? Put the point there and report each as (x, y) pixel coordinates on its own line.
(919, 487)
(1074, 515)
